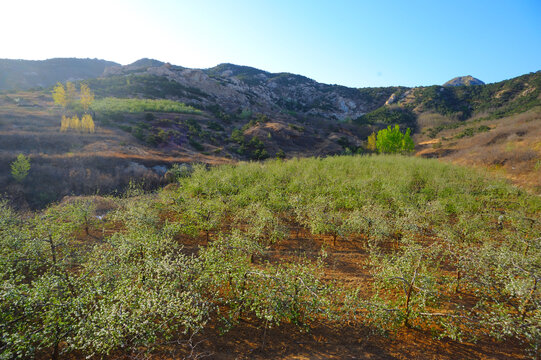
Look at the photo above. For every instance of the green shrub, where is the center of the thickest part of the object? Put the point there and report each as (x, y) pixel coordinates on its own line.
(116, 105)
(20, 168)
(392, 140)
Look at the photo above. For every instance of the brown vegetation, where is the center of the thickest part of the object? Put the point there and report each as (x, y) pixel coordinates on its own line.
(511, 148)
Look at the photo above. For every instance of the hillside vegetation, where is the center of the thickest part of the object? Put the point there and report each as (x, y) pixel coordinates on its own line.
(116, 105)
(434, 247)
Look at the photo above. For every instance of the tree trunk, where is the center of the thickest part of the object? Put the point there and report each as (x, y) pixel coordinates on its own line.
(56, 351)
(457, 289)
(408, 296)
(526, 302)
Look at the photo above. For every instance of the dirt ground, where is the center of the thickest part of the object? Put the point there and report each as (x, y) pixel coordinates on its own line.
(249, 340)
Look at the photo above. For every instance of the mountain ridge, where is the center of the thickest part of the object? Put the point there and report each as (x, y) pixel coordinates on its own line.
(21, 74)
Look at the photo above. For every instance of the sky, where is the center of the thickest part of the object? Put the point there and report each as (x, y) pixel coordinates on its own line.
(355, 43)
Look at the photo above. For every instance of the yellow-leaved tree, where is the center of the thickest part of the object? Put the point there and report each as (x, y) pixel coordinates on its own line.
(87, 124)
(67, 98)
(65, 124)
(371, 142)
(59, 95)
(75, 123)
(87, 97)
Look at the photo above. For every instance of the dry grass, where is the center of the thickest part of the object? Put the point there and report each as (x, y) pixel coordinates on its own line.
(428, 120)
(69, 163)
(511, 148)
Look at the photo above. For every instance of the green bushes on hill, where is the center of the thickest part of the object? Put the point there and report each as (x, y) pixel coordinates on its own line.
(388, 115)
(116, 105)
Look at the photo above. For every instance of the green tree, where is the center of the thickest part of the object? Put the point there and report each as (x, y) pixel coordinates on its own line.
(20, 167)
(392, 140)
(407, 142)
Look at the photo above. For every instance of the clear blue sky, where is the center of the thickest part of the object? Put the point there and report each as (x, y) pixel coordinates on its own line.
(353, 43)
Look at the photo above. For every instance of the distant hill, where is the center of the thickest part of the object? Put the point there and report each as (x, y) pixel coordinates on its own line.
(464, 81)
(27, 74)
(146, 62)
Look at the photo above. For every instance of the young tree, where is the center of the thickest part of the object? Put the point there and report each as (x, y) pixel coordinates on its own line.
(407, 142)
(75, 123)
(87, 97)
(371, 142)
(59, 95)
(20, 167)
(65, 124)
(87, 124)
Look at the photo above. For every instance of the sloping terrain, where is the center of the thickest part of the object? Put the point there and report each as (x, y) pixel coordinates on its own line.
(510, 146)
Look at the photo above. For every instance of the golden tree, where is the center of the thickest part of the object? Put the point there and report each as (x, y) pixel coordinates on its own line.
(65, 124)
(371, 142)
(67, 98)
(87, 123)
(59, 95)
(87, 97)
(75, 123)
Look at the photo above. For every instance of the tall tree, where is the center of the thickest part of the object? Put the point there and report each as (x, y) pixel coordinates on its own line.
(65, 124)
(371, 142)
(59, 95)
(87, 124)
(75, 123)
(87, 97)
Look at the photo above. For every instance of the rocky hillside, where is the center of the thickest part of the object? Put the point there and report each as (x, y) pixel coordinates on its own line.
(235, 88)
(27, 74)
